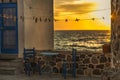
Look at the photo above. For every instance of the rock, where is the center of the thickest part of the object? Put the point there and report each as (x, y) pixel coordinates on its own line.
(69, 58)
(88, 72)
(61, 56)
(82, 55)
(82, 67)
(80, 72)
(76, 65)
(89, 55)
(96, 72)
(77, 58)
(103, 59)
(86, 61)
(94, 60)
(100, 66)
(91, 66)
(107, 64)
(109, 59)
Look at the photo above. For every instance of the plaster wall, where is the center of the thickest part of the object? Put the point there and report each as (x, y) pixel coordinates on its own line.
(20, 28)
(38, 24)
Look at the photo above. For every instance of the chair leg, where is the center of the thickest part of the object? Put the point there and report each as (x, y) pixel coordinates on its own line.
(39, 67)
(27, 68)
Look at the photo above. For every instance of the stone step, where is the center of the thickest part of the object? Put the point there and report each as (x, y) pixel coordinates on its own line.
(10, 63)
(8, 56)
(12, 67)
(7, 70)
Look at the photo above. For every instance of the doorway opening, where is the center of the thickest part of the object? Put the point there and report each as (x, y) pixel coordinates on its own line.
(84, 25)
(8, 27)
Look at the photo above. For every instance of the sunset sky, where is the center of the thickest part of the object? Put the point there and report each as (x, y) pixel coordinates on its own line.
(98, 10)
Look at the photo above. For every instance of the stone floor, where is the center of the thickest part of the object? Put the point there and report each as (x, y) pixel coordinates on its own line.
(44, 77)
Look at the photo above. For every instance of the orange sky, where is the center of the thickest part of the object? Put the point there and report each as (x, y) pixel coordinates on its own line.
(83, 10)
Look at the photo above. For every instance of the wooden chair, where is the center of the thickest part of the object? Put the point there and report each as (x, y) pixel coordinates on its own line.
(29, 60)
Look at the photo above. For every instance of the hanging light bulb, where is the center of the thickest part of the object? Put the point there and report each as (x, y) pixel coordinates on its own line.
(49, 19)
(103, 17)
(66, 20)
(33, 17)
(40, 19)
(56, 20)
(93, 19)
(36, 19)
(45, 20)
(77, 19)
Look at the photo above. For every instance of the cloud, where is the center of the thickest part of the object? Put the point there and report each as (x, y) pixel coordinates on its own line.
(63, 1)
(76, 8)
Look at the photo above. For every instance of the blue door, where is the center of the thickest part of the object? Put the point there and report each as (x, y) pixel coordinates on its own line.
(8, 28)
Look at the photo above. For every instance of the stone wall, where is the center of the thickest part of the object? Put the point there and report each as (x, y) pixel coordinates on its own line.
(87, 63)
(115, 32)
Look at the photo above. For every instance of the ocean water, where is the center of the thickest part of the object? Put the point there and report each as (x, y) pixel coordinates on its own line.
(81, 40)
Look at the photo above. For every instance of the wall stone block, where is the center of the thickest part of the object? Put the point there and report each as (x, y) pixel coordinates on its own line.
(77, 58)
(100, 66)
(82, 66)
(109, 59)
(61, 56)
(96, 72)
(91, 66)
(82, 56)
(107, 64)
(90, 55)
(80, 72)
(88, 72)
(94, 60)
(69, 58)
(103, 59)
(86, 61)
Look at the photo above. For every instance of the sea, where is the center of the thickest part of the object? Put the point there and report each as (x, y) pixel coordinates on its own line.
(81, 40)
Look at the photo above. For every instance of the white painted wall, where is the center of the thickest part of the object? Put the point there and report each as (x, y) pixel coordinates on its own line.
(20, 28)
(38, 34)
(35, 34)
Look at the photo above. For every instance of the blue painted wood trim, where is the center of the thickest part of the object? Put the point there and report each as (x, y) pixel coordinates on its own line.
(11, 51)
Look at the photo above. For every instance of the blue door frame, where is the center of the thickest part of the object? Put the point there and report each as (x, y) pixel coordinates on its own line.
(8, 28)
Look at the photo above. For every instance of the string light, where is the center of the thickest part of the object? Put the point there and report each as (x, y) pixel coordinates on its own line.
(46, 19)
(77, 20)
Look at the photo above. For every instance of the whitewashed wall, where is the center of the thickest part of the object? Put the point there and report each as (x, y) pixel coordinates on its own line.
(20, 28)
(38, 34)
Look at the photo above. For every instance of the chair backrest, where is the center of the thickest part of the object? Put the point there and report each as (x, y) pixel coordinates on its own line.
(29, 53)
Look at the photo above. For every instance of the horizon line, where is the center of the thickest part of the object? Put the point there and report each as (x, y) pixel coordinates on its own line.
(82, 30)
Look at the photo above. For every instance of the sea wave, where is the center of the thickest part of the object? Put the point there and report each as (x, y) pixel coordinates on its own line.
(81, 40)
